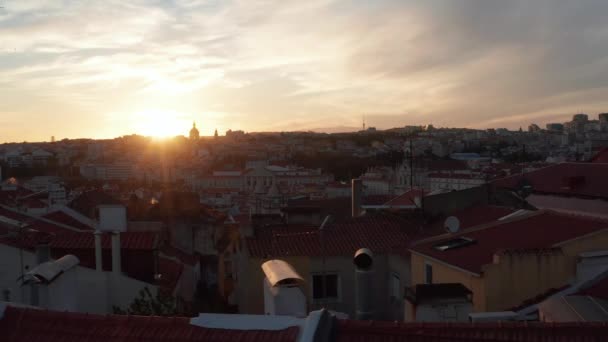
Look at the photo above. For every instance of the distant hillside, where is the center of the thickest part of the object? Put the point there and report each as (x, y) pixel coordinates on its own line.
(335, 129)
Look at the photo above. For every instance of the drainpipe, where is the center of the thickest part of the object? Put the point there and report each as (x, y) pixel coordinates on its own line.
(98, 258)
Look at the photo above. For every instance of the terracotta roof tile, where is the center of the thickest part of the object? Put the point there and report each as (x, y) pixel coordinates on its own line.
(569, 179)
(85, 240)
(370, 331)
(61, 217)
(406, 198)
(601, 156)
(539, 230)
(20, 324)
(381, 234)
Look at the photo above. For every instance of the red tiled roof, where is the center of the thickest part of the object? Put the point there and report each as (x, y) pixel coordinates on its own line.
(61, 217)
(406, 198)
(540, 230)
(371, 331)
(128, 240)
(14, 215)
(376, 199)
(85, 240)
(40, 325)
(569, 179)
(454, 176)
(601, 156)
(381, 234)
(34, 203)
(478, 214)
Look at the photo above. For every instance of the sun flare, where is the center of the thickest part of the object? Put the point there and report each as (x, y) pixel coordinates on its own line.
(161, 123)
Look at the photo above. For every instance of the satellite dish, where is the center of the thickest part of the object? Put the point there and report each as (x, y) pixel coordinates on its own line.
(452, 224)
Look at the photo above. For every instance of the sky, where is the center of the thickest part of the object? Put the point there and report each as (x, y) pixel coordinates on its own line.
(101, 69)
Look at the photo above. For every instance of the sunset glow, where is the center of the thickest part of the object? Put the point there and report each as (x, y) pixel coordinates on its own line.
(160, 123)
(264, 66)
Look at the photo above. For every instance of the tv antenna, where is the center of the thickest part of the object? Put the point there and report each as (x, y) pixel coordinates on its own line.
(452, 224)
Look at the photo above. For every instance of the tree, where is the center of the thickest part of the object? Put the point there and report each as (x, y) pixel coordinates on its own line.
(145, 304)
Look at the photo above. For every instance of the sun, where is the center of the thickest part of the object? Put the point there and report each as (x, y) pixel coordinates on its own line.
(160, 123)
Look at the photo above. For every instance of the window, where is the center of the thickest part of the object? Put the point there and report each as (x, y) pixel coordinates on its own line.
(454, 243)
(428, 273)
(395, 286)
(327, 289)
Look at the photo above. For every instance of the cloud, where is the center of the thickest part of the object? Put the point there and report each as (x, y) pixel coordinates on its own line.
(266, 63)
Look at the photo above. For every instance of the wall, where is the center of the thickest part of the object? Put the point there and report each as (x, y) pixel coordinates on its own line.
(10, 270)
(593, 242)
(515, 277)
(182, 235)
(400, 265)
(81, 288)
(450, 202)
(445, 274)
(455, 310)
(99, 292)
(250, 291)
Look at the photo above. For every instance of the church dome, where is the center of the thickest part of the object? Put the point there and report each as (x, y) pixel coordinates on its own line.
(194, 134)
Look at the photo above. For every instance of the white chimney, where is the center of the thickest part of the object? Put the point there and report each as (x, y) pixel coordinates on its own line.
(356, 196)
(113, 219)
(282, 290)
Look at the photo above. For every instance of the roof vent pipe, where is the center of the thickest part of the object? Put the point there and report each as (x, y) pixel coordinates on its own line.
(364, 278)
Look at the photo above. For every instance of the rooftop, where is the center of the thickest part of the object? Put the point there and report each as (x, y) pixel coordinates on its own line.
(567, 179)
(20, 324)
(381, 234)
(539, 230)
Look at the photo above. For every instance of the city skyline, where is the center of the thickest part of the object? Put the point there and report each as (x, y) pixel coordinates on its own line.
(64, 71)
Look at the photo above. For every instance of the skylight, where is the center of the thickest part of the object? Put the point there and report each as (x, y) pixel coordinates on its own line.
(454, 243)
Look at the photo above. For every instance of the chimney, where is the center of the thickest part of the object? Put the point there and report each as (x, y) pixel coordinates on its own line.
(356, 196)
(98, 258)
(364, 278)
(283, 294)
(116, 253)
(113, 220)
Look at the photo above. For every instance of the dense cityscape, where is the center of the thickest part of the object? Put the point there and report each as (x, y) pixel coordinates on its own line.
(185, 226)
